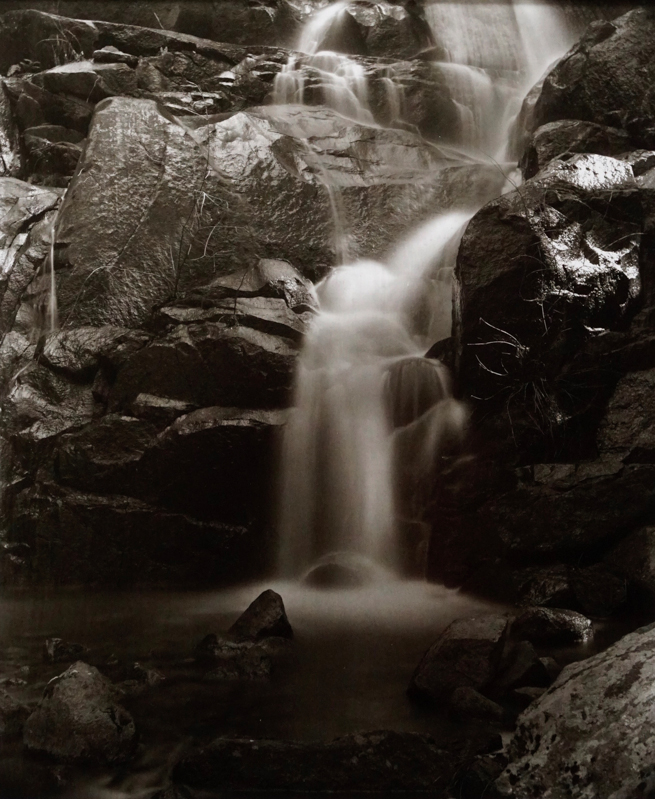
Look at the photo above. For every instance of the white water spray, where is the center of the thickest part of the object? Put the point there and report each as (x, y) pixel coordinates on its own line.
(369, 409)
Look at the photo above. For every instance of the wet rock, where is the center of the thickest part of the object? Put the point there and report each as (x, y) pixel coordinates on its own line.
(79, 538)
(21, 207)
(37, 106)
(56, 650)
(270, 23)
(210, 363)
(542, 673)
(54, 163)
(334, 575)
(587, 282)
(88, 80)
(577, 88)
(475, 780)
(137, 680)
(632, 560)
(263, 618)
(234, 660)
(516, 669)
(590, 734)
(112, 55)
(627, 428)
(549, 587)
(45, 38)
(598, 591)
(526, 696)
(10, 153)
(80, 351)
(467, 703)
(565, 137)
(378, 761)
(13, 715)
(552, 626)
(118, 278)
(42, 405)
(78, 719)
(466, 654)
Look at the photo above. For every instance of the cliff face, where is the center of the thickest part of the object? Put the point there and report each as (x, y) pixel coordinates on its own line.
(181, 223)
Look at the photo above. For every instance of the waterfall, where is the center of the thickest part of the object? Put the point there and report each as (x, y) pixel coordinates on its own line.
(369, 409)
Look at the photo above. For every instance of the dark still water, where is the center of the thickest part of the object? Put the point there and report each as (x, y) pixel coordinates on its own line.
(347, 670)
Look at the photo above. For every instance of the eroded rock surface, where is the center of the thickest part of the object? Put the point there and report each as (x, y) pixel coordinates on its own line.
(79, 719)
(590, 734)
(467, 654)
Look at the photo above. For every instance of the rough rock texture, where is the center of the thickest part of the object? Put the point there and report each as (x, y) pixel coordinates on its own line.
(371, 761)
(634, 561)
(78, 719)
(591, 733)
(265, 617)
(467, 703)
(467, 654)
(552, 626)
(563, 138)
(578, 88)
(552, 308)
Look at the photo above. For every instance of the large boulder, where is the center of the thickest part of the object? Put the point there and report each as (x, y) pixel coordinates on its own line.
(79, 719)
(590, 734)
(553, 300)
(578, 86)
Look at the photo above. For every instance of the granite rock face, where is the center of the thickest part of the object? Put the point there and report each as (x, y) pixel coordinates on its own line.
(78, 719)
(590, 734)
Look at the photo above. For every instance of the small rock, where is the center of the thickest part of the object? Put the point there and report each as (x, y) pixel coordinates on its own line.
(234, 660)
(542, 673)
(78, 719)
(546, 587)
(474, 782)
(263, 618)
(58, 651)
(467, 653)
(112, 55)
(525, 696)
(13, 715)
(467, 703)
(518, 663)
(553, 626)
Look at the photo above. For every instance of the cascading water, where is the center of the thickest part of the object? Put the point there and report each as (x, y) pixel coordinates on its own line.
(367, 402)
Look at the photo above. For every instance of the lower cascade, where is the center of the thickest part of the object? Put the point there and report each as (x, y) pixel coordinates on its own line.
(365, 395)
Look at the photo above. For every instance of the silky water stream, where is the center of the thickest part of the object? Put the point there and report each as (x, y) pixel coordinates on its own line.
(365, 396)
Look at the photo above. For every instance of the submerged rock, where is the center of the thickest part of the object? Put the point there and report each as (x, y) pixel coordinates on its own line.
(467, 703)
(371, 761)
(57, 651)
(13, 715)
(590, 734)
(265, 617)
(467, 654)
(79, 719)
